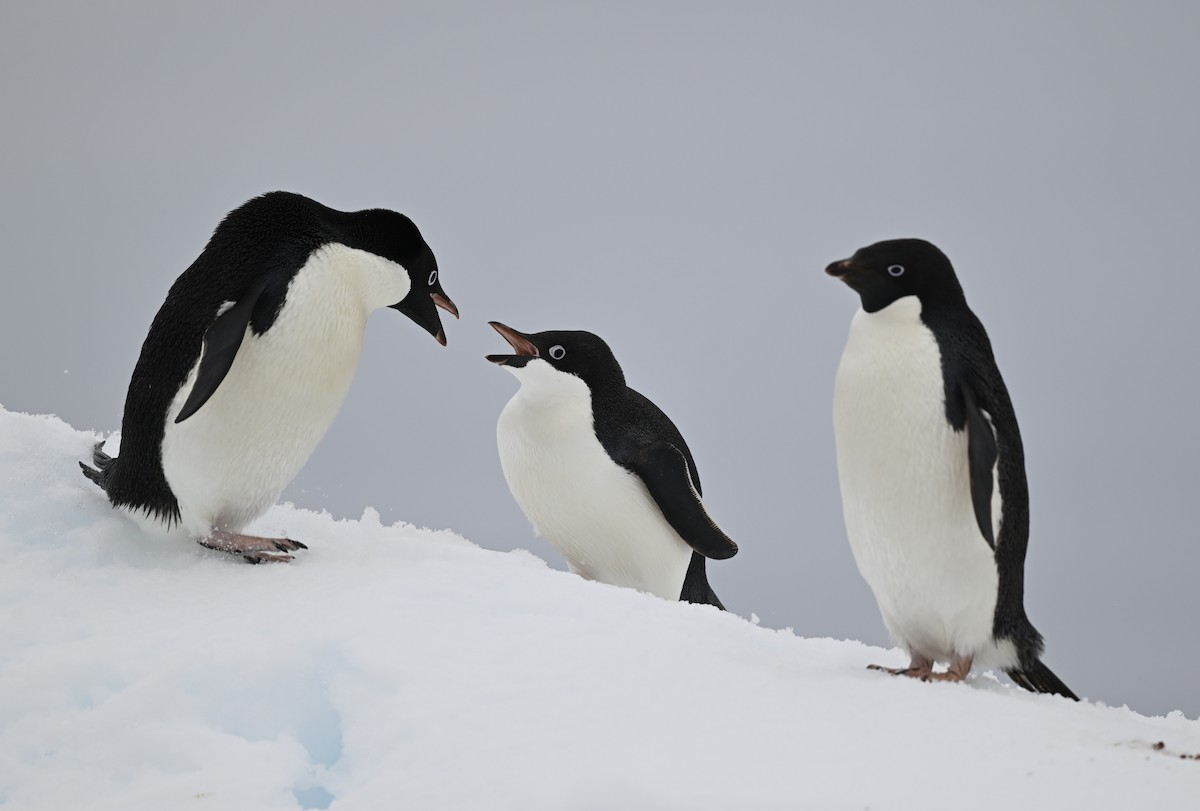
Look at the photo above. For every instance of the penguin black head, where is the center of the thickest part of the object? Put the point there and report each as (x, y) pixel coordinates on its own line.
(553, 358)
(896, 268)
(393, 236)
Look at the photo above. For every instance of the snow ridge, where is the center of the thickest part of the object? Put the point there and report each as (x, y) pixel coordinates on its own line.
(397, 667)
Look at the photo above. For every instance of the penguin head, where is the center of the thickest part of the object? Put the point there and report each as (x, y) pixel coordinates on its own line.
(394, 237)
(559, 359)
(896, 268)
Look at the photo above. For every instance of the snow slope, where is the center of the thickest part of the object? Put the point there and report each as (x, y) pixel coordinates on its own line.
(395, 667)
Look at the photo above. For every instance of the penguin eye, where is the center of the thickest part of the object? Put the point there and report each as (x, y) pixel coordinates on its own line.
(896, 270)
(432, 277)
(557, 352)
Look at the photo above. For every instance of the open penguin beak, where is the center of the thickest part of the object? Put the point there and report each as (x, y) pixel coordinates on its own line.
(424, 312)
(519, 341)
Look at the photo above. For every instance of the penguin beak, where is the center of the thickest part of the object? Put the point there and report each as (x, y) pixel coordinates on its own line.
(839, 269)
(443, 301)
(519, 341)
(423, 312)
(850, 271)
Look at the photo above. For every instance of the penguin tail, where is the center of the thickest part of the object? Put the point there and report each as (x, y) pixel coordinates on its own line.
(1037, 678)
(695, 585)
(102, 461)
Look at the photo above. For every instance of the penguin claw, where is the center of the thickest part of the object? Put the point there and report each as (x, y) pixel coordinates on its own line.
(93, 475)
(265, 557)
(285, 544)
(99, 457)
(911, 672)
(102, 462)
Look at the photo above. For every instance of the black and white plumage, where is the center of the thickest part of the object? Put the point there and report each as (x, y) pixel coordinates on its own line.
(249, 359)
(932, 469)
(601, 472)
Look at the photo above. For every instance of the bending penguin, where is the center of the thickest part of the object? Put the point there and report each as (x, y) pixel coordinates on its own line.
(601, 472)
(249, 359)
(932, 470)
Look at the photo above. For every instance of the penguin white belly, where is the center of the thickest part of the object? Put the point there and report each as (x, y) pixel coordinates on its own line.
(906, 494)
(598, 515)
(230, 461)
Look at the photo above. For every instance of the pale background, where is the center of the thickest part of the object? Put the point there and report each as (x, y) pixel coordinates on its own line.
(674, 177)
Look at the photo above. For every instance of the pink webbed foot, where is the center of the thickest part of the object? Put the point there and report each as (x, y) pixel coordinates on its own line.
(252, 548)
(918, 668)
(960, 667)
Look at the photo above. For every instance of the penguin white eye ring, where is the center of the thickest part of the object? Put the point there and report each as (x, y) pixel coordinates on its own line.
(896, 270)
(557, 352)
(432, 277)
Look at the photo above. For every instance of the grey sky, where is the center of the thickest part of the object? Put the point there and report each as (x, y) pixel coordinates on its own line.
(673, 177)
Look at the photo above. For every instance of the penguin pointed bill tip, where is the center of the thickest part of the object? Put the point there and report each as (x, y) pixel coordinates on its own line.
(526, 350)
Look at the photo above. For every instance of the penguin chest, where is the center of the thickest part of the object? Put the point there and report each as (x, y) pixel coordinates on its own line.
(230, 461)
(597, 514)
(905, 488)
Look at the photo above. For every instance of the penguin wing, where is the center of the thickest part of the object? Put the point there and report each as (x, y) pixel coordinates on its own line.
(981, 455)
(221, 342)
(663, 468)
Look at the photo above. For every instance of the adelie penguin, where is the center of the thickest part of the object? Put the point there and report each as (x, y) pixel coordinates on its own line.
(249, 359)
(932, 470)
(601, 472)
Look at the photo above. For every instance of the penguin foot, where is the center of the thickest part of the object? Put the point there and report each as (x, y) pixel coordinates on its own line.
(918, 668)
(960, 666)
(253, 548)
(912, 672)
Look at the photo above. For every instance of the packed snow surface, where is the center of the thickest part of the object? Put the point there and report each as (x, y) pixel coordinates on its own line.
(392, 667)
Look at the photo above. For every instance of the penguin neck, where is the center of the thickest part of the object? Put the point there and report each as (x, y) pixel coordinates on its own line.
(553, 400)
(373, 281)
(913, 311)
(904, 311)
(547, 388)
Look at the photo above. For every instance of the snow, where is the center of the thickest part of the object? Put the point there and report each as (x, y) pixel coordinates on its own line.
(397, 667)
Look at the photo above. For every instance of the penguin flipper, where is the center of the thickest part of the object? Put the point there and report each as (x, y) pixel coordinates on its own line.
(664, 470)
(221, 342)
(1040, 679)
(981, 454)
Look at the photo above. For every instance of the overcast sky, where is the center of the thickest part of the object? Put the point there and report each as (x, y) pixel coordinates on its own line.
(673, 177)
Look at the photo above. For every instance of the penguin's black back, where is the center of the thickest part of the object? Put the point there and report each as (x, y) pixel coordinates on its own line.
(624, 420)
(967, 358)
(271, 236)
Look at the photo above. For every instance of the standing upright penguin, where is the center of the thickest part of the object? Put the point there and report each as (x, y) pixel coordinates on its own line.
(601, 472)
(249, 359)
(932, 470)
